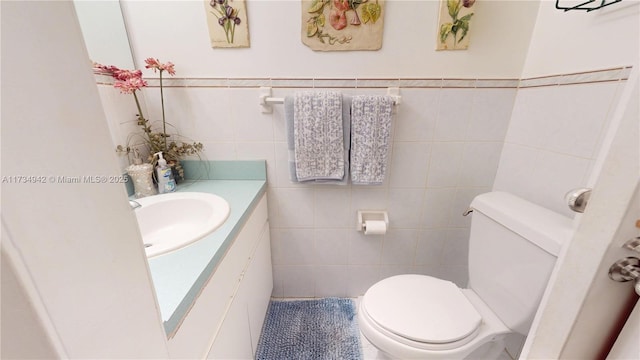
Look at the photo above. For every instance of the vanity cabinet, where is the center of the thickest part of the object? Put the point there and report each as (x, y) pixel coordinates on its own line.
(225, 320)
(240, 331)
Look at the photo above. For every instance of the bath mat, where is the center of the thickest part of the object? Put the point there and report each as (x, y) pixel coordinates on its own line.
(320, 329)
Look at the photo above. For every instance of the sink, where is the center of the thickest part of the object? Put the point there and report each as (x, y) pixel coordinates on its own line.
(169, 222)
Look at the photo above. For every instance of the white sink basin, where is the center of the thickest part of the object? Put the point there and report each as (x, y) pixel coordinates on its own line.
(169, 222)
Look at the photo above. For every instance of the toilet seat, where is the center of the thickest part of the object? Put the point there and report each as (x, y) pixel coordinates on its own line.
(422, 312)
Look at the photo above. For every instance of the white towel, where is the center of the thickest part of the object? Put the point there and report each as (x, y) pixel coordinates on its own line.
(370, 138)
(318, 136)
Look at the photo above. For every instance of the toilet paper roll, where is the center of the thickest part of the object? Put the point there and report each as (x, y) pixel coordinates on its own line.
(375, 227)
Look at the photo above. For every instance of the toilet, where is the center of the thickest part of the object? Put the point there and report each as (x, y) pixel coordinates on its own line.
(513, 246)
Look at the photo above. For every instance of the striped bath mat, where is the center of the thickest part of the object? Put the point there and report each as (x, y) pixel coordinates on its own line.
(319, 329)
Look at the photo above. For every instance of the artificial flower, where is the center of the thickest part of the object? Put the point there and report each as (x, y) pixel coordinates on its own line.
(468, 3)
(338, 19)
(155, 64)
(342, 5)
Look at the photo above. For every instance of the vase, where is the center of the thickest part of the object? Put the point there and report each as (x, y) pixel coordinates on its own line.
(142, 177)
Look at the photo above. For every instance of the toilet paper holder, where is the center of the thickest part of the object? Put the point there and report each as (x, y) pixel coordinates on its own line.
(371, 215)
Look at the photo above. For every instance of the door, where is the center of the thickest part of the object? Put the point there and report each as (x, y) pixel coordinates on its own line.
(627, 345)
(582, 310)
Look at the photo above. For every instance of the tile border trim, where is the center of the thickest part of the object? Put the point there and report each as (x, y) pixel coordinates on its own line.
(585, 77)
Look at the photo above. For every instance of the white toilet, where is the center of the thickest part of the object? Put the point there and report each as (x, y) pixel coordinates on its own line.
(513, 247)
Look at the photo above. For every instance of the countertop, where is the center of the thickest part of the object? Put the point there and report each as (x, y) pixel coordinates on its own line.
(179, 276)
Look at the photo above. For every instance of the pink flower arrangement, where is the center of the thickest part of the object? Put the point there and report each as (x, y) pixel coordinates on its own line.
(130, 81)
(157, 65)
(126, 80)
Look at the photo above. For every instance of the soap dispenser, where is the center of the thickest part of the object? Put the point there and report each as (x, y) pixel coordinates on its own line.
(141, 174)
(166, 181)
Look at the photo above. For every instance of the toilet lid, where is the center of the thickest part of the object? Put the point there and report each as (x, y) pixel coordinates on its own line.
(421, 308)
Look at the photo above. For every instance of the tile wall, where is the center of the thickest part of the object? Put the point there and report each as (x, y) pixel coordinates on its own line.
(556, 129)
(448, 138)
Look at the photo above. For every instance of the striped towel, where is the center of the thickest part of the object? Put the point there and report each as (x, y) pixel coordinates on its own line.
(370, 138)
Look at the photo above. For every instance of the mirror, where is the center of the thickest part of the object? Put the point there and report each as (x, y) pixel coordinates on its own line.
(104, 32)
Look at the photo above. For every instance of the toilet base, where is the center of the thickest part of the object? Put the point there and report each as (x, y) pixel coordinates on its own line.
(488, 343)
(489, 351)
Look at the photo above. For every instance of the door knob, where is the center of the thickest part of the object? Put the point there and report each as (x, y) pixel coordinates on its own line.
(626, 269)
(577, 199)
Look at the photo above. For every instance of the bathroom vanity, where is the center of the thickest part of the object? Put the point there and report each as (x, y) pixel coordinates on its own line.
(213, 294)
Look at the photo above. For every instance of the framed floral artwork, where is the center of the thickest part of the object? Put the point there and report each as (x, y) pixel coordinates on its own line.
(454, 24)
(338, 25)
(228, 23)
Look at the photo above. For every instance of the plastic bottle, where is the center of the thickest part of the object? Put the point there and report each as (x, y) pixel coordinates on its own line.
(166, 182)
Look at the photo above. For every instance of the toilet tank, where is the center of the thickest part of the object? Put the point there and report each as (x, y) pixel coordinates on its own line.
(513, 247)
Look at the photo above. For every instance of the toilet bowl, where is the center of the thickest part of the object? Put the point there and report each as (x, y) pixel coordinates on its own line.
(513, 246)
(422, 317)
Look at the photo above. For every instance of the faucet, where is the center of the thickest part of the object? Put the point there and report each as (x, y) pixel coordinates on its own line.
(134, 204)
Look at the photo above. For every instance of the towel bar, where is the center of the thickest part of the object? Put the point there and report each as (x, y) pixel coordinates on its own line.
(267, 101)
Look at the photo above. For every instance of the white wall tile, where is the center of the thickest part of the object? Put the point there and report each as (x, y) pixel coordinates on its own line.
(218, 150)
(293, 246)
(491, 114)
(298, 281)
(295, 207)
(612, 109)
(409, 164)
(437, 207)
(581, 118)
(516, 169)
(416, 117)
(533, 113)
(458, 274)
(361, 278)
(429, 247)
(278, 276)
(479, 164)
(399, 247)
(331, 281)
(201, 114)
(446, 159)
(331, 246)
(364, 250)
(332, 207)
(393, 270)
(276, 246)
(455, 249)
(454, 112)
(405, 206)
(250, 124)
(554, 134)
(429, 270)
